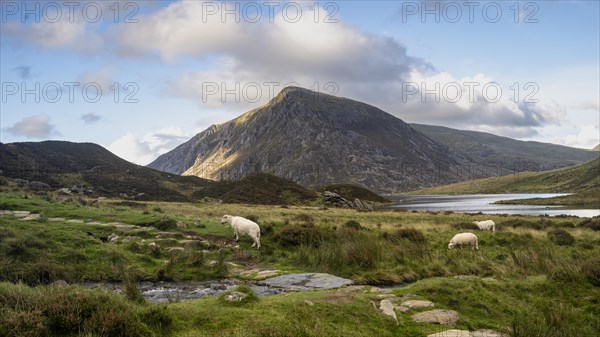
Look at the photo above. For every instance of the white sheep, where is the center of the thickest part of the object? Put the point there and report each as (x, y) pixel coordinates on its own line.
(243, 226)
(463, 239)
(487, 225)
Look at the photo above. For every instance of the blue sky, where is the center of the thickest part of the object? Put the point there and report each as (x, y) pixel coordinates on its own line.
(174, 61)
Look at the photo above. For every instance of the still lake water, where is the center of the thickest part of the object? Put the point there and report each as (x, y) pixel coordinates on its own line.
(484, 203)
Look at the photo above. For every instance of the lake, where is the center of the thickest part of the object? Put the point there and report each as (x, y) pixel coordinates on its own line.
(484, 203)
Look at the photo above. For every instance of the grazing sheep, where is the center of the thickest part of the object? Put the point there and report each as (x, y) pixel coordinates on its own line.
(487, 225)
(463, 239)
(243, 226)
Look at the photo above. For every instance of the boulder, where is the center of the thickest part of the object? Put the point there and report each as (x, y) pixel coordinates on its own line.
(387, 308)
(21, 214)
(31, 217)
(409, 305)
(438, 316)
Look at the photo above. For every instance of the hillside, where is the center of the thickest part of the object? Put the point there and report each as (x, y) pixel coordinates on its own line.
(316, 139)
(597, 148)
(509, 155)
(583, 180)
(66, 164)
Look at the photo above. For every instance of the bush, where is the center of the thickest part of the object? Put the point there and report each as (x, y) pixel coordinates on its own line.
(591, 270)
(593, 224)
(410, 234)
(353, 224)
(561, 237)
(252, 217)
(296, 235)
(164, 224)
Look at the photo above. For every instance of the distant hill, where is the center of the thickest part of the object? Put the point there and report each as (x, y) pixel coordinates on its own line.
(316, 139)
(583, 180)
(597, 148)
(65, 164)
(508, 154)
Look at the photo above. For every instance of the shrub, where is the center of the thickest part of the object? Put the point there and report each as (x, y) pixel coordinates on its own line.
(353, 224)
(593, 224)
(591, 270)
(252, 217)
(410, 234)
(164, 224)
(296, 235)
(561, 237)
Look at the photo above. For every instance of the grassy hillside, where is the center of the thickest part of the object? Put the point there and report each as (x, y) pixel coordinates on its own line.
(501, 154)
(541, 286)
(582, 180)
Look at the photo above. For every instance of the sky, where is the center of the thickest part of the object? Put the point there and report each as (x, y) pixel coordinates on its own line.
(141, 77)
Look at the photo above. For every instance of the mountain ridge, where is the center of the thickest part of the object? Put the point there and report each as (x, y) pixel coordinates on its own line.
(316, 139)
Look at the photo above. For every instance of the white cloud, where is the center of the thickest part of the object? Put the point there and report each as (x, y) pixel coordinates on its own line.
(143, 150)
(34, 127)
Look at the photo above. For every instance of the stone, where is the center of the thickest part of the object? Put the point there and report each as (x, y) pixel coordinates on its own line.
(307, 281)
(309, 302)
(113, 237)
(261, 275)
(181, 225)
(235, 296)
(74, 221)
(465, 333)
(31, 217)
(409, 305)
(57, 219)
(175, 250)
(388, 309)
(124, 228)
(466, 277)
(60, 283)
(437, 316)
(489, 279)
(64, 190)
(21, 214)
(6, 212)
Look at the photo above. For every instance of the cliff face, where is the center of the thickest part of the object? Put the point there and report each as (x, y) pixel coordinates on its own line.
(317, 139)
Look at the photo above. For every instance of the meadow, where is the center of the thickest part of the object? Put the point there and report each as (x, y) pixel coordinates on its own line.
(543, 274)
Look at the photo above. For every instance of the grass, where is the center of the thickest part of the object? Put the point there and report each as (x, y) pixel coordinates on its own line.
(582, 180)
(546, 270)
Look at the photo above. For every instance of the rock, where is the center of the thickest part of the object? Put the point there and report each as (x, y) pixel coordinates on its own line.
(65, 191)
(57, 219)
(261, 275)
(95, 223)
(124, 228)
(21, 214)
(101, 198)
(336, 200)
(74, 221)
(132, 238)
(309, 302)
(113, 237)
(31, 217)
(6, 212)
(38, 185)
(409, 305)
(466, 277)
(438, 316)
(307, 281)
(181, 225)
(175, 250)
(60, 283)
(489, 279)
(388, 309)
(235, 296)
(465, 333)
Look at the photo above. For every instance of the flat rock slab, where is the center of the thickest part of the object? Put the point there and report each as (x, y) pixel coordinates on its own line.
(6, 212)
(31, 217)
(21, 214)
(438, 316)
(409, 305)
(465, 333)
(74, 221)
(388, 309)
(57, 219)
(307, 281)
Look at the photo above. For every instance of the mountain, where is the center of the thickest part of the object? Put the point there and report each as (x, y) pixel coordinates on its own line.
(64, 164)
(597, 148)
(505, 153)
(316, 139)
(583, 178)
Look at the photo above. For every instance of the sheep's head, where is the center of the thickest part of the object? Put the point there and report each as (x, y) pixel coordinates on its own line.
(451, 245)
(225, 219)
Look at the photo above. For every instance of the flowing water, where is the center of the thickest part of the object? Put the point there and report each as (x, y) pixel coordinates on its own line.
(485, 203)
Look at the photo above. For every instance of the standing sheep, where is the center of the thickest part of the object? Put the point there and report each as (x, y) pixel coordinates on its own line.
(487, 225)
(463, 239)
(243, 226)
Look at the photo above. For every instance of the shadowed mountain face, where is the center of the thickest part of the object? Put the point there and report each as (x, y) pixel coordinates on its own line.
(316, 139)
(64, 164)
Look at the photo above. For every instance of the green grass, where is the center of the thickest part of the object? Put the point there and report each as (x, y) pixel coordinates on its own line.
(546, 285)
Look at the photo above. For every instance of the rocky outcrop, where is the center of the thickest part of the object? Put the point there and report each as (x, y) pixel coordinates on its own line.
(335, 200)
(438, 316)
